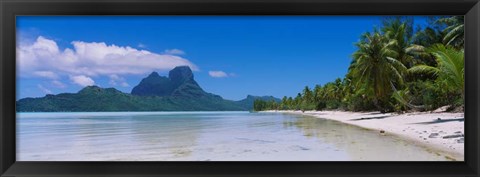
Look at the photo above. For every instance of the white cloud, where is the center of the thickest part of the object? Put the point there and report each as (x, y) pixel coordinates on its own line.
(217, 74)
(174, 52)
(124, 84)
(91, 59)
(46, 74)
(82, 80)
(117, 80)
(43, 89)
(140, 45)
(58, 84)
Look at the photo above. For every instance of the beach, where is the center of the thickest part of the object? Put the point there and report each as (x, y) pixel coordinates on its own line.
(205, 136)
(441, 132)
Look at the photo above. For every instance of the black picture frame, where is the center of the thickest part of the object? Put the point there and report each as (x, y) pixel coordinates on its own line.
(9, 9)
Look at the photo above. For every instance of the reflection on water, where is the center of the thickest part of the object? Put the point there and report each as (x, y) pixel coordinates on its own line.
(175, 134)
(180, 136)
(360, 143)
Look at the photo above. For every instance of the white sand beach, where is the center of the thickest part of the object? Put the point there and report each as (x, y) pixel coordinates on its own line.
(441, 132)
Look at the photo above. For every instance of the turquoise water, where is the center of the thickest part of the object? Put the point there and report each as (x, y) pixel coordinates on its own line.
(203, 136)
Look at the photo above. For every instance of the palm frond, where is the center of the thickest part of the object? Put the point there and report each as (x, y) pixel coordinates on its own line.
(453, 34)
(423, 69)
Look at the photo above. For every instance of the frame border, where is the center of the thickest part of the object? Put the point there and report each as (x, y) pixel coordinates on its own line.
(9, 9)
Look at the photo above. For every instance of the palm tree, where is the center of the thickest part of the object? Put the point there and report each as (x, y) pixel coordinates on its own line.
(454, 32)
(422, 39)
(284, 103)
(338, 89)
(329, 91)
(317, 93)
(428, 37)
(449, 70)
(297, 100)
(375, 67)
(307, 95)
(400, 31)
(290, 103)
(348, 89)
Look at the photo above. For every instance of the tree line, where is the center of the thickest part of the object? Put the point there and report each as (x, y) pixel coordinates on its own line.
(395, 68)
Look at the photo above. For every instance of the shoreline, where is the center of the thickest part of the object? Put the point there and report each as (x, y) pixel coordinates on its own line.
(440, 132)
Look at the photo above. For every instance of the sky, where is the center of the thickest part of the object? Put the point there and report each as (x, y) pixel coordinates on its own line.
(231, 56)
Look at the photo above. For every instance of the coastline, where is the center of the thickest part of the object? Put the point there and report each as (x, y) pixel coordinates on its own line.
(440, 132)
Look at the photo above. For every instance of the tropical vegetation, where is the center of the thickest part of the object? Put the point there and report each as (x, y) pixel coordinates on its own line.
(394, 68)
(177, 92)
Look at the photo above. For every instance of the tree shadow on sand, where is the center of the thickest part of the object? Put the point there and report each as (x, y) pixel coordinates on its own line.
(373, 113)
(442, 121)
(369, 118)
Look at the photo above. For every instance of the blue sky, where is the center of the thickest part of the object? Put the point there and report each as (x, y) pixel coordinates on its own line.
(232, 56)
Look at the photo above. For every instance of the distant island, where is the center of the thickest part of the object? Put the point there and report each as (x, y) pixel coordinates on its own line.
(177, 92)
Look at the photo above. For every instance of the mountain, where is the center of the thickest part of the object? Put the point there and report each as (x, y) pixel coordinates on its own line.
(248, 102)
(177, 92)
(91, 98)
(180, 82)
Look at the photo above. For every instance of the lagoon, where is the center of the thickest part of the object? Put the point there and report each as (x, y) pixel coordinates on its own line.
(204, 136)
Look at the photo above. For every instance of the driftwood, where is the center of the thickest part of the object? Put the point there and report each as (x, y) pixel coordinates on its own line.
(453, 136)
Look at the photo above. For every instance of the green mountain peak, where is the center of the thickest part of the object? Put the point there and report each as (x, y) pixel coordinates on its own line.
(177, 92)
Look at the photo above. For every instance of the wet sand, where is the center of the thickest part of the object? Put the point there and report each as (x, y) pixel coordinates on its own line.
(441, 132)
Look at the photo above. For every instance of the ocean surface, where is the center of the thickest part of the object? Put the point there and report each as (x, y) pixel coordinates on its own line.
(203, 136)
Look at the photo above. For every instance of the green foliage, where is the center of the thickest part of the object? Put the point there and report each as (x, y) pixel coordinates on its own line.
(376, 68)
(396, 69)
(449, 70)
(249, 101)
(261, 105)
(178, 92)
(454, 32)
(96, 99)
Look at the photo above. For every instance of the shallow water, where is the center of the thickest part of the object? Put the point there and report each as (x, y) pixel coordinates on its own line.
(200, 136)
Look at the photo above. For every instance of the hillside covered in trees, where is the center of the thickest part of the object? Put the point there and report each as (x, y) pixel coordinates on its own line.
(177, 92)
(396, 67)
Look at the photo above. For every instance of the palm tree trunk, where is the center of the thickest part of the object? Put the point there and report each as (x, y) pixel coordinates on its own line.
(412, 106)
